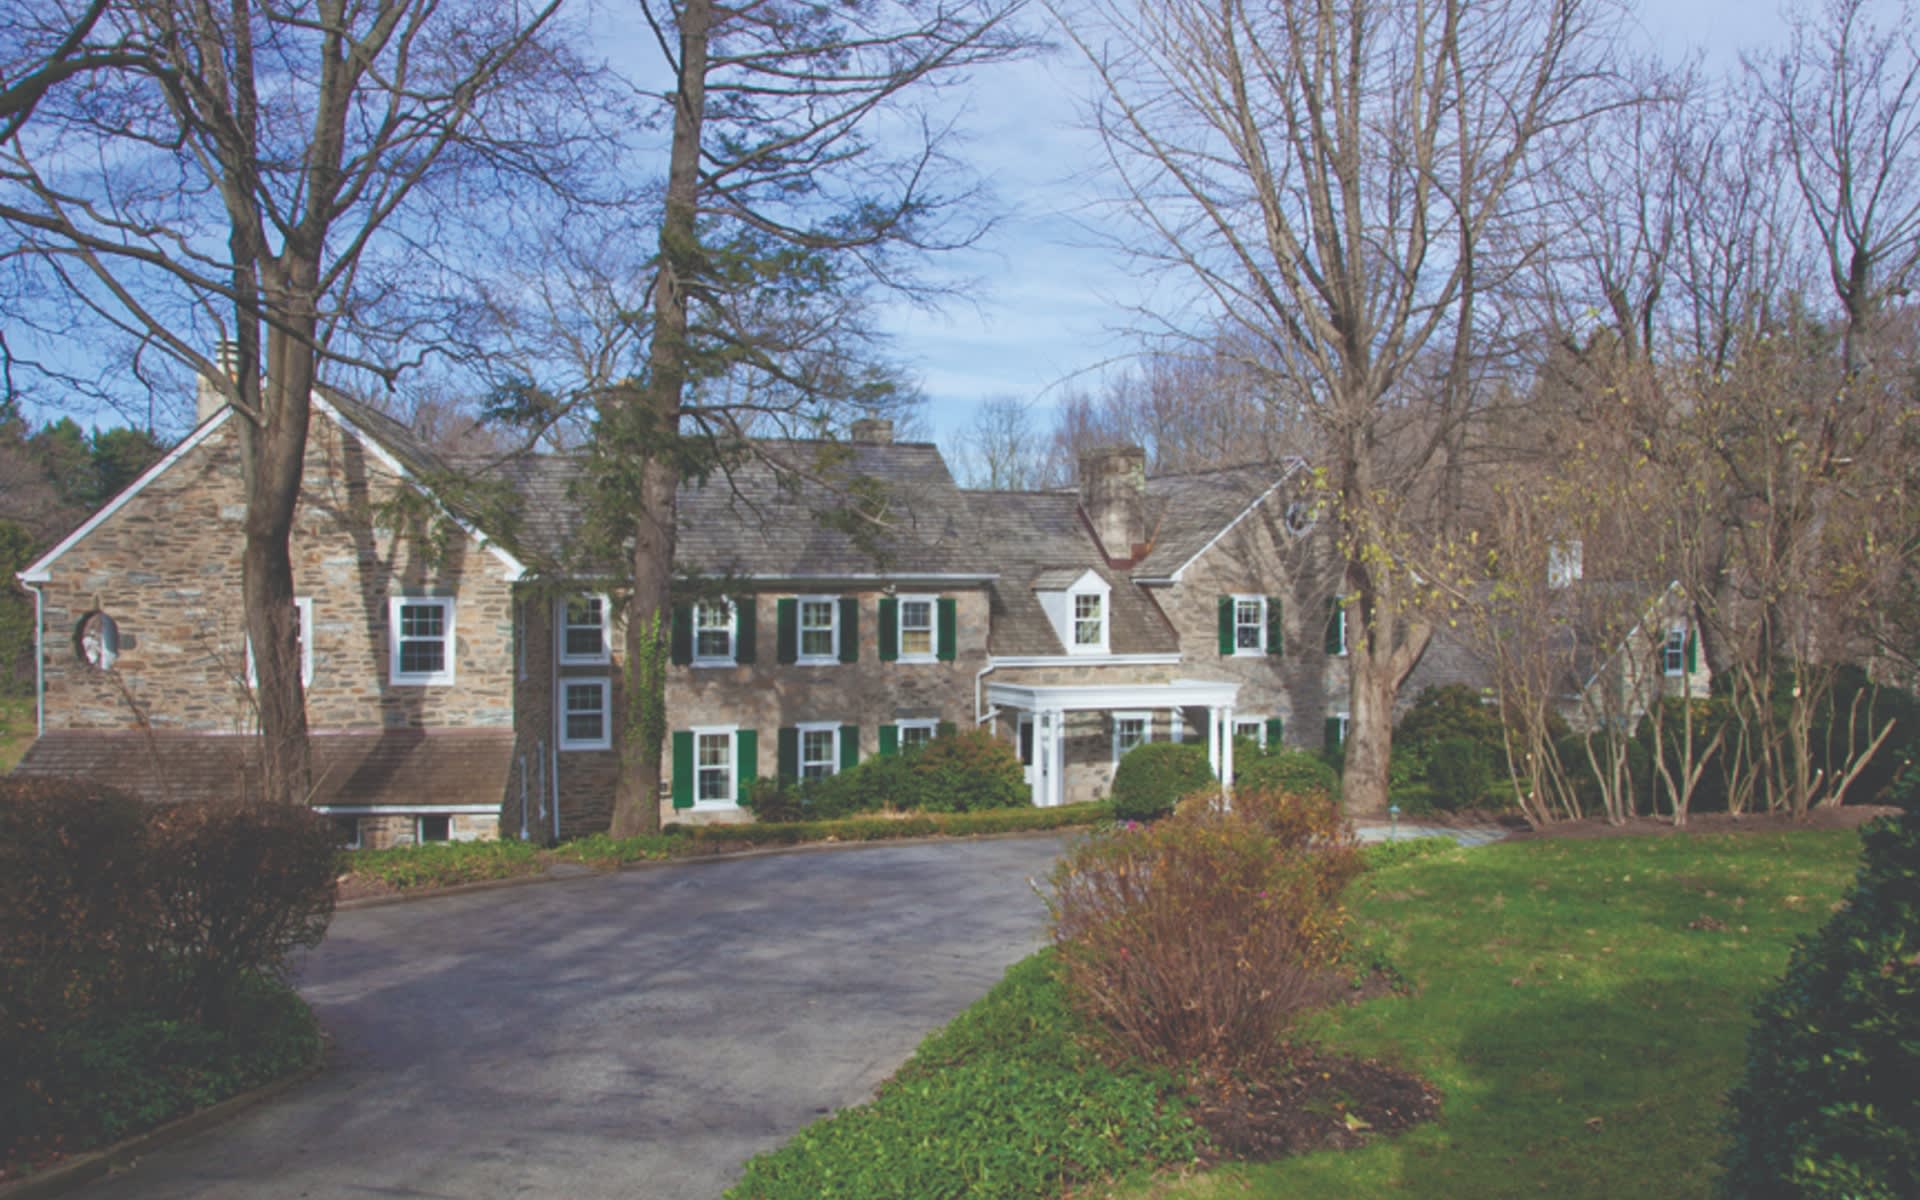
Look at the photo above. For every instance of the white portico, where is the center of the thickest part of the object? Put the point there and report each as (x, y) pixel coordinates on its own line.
(1049, 704)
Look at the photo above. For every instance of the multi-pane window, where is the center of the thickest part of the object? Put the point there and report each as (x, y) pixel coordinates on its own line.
(819, 751)
(713, 770)
(1250, 624)
(303, 639)
(1674, 656)
(917, 733)
(585, 723)
(916, 627)
(1254, 730)
(435, 828)
(713, 627)
(584, 630)
(422, 639)
(1129, 730)
(1089, 619)
(819, 628)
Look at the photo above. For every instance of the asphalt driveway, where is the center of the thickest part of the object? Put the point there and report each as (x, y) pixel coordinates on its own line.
(635, 1035)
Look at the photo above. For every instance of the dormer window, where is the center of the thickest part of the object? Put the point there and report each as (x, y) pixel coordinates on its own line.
(1089, 621)
(1078, 603)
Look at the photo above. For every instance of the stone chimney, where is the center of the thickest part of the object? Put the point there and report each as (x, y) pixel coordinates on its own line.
(1113, 495)
(873, 431)
(208, 399)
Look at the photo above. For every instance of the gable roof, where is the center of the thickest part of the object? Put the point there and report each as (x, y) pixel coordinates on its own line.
(1196, 510)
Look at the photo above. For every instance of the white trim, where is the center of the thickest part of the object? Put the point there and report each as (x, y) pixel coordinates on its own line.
(1144, 716)
(732, 656)
(778, 577)
(1260, 625)
(1075, 646)
(732, 734)
(1180, 571)
(358, 840)
(800, 655)
(1186, 693)
(395, 676)
(1667, 669)
(605, 686)
(419, 834)
(900, 628)
(1346, 728)
(563, 623)
(303, 605)
(1260, 728)
(403, 810)
(930, 724)
(801, 730)
(516, 569)
(36, 571)
(1085, 660)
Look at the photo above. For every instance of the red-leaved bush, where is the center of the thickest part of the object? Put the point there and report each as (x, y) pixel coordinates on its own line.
(1194, 944)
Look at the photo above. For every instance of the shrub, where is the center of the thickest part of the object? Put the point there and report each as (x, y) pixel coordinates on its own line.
(444, 864)
(1154, 775)
(1295, 771)
(1458, 773)
(1442, 714)
(968, 772)
(1192, 944)
(237, 888)
(73, 879)
(1830, 1105)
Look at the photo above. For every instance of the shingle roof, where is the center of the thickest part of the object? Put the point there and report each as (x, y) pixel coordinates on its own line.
(1188, 511)
(416, 768)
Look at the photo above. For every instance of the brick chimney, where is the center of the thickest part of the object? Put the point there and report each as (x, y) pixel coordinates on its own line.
(1113, 495)
(208, 399)
(873, 431)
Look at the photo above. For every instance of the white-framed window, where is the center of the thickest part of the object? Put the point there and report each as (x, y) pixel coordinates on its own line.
(1130, 729)
(919, 628)
(1337, 627)
(1089, 621)
(583, 630)
(917, 733)
(348, 830)
(586, 714)
(1249, 624)
(715, 769)
(819, 749)
(715, 625)
(432, 827)
(1339, 725)
(819, 629)
(96, 640)
(421, 637)
(1673, 655)
(1253, 728)
(304, 606)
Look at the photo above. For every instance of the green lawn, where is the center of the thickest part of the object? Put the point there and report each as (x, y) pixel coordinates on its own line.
(1584, 1006)
(16, 729)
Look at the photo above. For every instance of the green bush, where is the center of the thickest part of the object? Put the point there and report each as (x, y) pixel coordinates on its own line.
(955, 772)
(1006, 1102)
(1458, 773)
(1442, 714)
(444, 864)
(1153, 776)
(1192, 944)
(1830, 1104)
(1293, 771)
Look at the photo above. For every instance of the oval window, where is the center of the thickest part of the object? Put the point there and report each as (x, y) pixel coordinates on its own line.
(97, 640)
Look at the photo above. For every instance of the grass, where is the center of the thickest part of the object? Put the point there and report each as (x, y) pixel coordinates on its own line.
(17, 727)
(1584, 1005)
(448, 864)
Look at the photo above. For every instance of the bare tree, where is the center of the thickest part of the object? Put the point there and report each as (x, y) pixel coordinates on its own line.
(1346, 183)
(248, 169)
(1003, 450)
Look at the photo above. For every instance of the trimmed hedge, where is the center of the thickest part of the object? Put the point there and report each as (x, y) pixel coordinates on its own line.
(954, 773)
(1830, 1105)
(1153, 776)
(1291, 771)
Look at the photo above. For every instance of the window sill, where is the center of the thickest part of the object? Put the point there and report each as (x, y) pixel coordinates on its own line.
(420, 681)
(703, 663)
(828, 661)
(601, 660)
(918, 658)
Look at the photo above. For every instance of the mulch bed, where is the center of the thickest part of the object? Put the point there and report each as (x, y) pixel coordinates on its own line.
(1849, 816)
(1327, 1102)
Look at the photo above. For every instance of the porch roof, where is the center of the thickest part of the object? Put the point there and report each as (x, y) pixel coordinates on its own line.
(1079, 697)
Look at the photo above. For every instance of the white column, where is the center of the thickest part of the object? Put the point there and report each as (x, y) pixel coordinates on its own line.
(1057, 756)
(1037, 764)
(1226, 747)
(1213, 740)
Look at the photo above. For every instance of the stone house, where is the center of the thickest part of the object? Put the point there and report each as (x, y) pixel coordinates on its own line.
(457, 688)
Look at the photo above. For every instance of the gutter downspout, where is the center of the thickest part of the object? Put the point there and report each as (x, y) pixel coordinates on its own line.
(982, 714)
(39, 658)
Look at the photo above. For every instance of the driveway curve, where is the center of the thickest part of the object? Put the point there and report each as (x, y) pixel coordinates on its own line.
(633, 1035)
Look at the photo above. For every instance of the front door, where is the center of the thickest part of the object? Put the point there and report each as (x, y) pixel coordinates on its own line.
(1026, 746)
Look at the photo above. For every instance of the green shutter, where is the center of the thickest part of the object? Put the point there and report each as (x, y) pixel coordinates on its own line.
(1336, 643)
(849, 746)
(746, 767)
(683, 768)
(1693, 652)
(681, 636)
(744, 628)
(889, 740)
(1275, 731)
(948, 637)
(849, 629)
(789, 754)
(1276, 627)
(1333, 733)
(1226, 626)
(889, 630)
(786, 613)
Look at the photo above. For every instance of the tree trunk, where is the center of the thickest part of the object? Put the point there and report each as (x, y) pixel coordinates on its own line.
(1369, 746)
(654, 415)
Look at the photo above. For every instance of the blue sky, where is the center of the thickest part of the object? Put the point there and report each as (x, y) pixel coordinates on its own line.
(1045, 307)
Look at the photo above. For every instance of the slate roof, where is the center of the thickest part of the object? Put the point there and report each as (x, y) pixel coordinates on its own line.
(417, 768)
(1031, 538)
